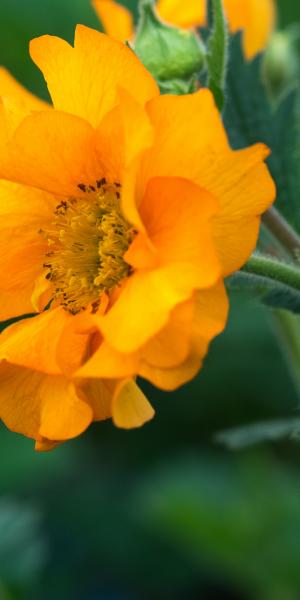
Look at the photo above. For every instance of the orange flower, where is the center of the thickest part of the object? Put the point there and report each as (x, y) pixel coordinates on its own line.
(121, 212)
(255, 17)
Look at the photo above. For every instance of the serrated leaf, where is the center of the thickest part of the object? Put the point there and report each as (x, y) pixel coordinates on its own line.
(242, 437)
(273, 295)
(250, 117)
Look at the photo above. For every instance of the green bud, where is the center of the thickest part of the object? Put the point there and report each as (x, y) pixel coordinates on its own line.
(281, 61)
(167, 52)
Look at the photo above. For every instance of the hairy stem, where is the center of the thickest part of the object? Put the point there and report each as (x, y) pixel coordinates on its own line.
(275, 270)
(282, 230)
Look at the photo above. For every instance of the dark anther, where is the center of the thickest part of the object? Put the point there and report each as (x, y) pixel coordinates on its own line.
(91, 187)
(95, 306)
(63, 204)
(82, 187)
(117, 184)
(118, 195)
(48, 276)
(101, 182)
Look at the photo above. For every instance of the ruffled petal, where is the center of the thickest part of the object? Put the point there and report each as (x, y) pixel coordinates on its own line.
(32, 343)
(177, 214)
(55, 152)
(209, 319)
(36, 404)
(191, 142)
(170, 346)
(108, 363)
(171, 379)
(84, 80)
(167, 348)
(48, 343)
(145, 303)
(116, 20)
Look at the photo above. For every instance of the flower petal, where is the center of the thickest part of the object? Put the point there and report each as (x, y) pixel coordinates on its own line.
(107, 363)
(49, 343)
(44, 445)
(211, 312)
(23, 211)
(15, 104)
(191, 142)
(56, 151)
(116, 20)
(191, 13)
(83, 80)
(145, 303)
(11, 88)
(36, 404)
(171, 379)
(130, 408)
(137, 127)
(123, 134)
(53, 151)
(30, 344)
(170, 346)
(98, 394)
(209, 319)
(256, 18)
(176, 214)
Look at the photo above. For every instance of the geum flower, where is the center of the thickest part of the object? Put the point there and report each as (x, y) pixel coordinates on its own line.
(256, 18)
(121, 213)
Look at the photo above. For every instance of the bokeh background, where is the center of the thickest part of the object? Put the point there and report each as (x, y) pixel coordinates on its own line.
(164, 512)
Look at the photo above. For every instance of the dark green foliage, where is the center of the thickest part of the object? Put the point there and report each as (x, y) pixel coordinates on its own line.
(250, 117)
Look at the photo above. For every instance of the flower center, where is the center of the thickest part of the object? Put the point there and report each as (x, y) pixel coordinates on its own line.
(87, 241)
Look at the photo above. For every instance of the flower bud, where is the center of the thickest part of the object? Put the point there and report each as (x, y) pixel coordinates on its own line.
(167, 52)
(281, 61)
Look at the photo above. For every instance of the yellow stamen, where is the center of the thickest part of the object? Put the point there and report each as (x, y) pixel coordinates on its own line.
(87, 241)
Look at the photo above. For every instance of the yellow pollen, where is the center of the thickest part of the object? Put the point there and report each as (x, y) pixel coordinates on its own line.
(87, 241)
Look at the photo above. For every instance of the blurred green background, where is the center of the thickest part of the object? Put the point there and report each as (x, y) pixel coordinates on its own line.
(163, 512)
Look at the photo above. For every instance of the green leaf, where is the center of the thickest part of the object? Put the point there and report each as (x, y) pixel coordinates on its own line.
(242, 437)
(250, 117)
(217, 53)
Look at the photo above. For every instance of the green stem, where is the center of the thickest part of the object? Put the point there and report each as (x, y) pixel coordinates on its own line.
(287, 323)
(282, 230)
(270, 268)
